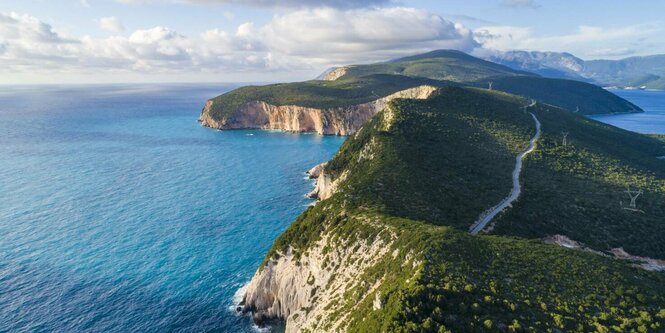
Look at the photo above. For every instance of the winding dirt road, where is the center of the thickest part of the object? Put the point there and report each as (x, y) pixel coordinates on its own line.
(515, 193)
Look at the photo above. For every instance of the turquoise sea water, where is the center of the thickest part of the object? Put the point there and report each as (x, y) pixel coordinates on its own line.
(119, 213)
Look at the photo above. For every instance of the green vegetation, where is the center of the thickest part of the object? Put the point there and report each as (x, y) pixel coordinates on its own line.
(318, 94)
(567, 94)
(447, 65)
(454, 154)
(495, 284)
(364, 83)
(644, 81)
(629, 72)
(442, 152)
(420, 172)
(578, 189)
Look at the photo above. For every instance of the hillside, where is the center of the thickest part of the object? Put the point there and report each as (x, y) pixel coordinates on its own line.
(389, 251)
(625, 72)
(318, 94)
(348, 89)
(587, 99)
(560, 65)
(447, 65)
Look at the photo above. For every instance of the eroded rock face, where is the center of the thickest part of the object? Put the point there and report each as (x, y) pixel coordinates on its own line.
(315, 172)
(305, 291)
(335, 74)
(292, 118)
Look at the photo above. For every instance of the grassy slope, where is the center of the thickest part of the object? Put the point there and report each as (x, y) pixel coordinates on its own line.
(566, 94)
(463, 283)
(443, 171)
(439, 65)
(318, 94)
(577, 190)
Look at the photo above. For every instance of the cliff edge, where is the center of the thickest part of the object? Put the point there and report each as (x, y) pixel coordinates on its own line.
(343, 120)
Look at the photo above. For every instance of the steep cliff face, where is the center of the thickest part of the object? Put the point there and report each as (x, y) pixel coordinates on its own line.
(332, 121)
(314, 172)
(325, 186)
(306, 291)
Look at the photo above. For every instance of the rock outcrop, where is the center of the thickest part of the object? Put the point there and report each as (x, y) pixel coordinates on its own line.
(335, 74)
(325, 186)
(293, 118)
(305, 291)
(315, 172)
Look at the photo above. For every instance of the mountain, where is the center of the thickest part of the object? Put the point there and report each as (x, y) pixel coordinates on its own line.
(449, 65)
(350, 95)
(547, 64)
(387, 249)
(634, 72)
(623, 72)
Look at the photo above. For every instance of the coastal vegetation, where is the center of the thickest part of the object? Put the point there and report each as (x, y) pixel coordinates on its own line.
(317, 93)
(448, 65)
(579, 189)
(419, 173)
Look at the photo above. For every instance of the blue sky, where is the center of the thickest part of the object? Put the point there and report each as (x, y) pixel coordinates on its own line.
(81, 41)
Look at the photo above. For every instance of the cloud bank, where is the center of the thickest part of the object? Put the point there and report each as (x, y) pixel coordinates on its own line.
(303, 39)
(299, 39)
(584, 41)
(275, 3)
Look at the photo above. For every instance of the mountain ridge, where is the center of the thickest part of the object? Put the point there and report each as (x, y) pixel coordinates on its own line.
(348, 87)
(389, 250)
(643, 72)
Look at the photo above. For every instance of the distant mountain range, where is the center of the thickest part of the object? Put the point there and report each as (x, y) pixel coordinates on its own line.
(635, 72)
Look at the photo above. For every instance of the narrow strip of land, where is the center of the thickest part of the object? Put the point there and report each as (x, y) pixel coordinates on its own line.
(517, 188)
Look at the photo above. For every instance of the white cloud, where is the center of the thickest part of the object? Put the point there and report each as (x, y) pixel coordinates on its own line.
(28, 29)
(505, 38)
(111, 24)
(275, 3)
(305, 38)
(362, 35)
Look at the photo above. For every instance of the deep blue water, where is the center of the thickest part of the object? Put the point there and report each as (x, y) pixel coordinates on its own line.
(119, 213)
(651, 121)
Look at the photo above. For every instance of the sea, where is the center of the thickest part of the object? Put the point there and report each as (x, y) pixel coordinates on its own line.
(120, 213)
(652, 121)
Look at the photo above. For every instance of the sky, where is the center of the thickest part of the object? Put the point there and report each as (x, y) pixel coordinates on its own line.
(127, 41)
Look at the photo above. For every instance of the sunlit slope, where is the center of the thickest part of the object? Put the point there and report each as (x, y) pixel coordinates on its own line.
(415, 178)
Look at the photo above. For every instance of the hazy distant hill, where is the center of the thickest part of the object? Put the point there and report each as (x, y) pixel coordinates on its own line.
(639, 72)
